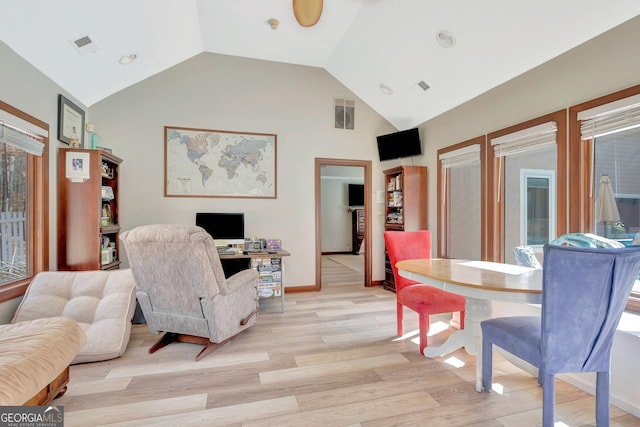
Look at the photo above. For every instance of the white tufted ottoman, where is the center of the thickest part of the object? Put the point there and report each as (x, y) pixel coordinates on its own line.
(101, 302)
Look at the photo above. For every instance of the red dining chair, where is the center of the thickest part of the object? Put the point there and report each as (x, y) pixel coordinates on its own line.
(419, 297)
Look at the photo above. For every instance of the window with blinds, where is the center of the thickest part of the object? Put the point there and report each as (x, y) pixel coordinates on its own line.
(461, 192)
(605, 140)
(527, 165)
(23, 193)
(614, 129)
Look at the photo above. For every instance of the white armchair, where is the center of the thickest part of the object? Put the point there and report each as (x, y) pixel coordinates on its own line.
(181, 288)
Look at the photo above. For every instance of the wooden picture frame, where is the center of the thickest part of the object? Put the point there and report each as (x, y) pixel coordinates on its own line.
(219, 163)
(70, 123)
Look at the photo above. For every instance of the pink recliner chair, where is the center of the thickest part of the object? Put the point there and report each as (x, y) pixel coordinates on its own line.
(423, 299)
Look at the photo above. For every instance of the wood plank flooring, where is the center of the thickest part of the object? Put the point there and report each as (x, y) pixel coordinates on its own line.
(331, 359)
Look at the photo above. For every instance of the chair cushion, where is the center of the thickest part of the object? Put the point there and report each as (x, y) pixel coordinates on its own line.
(525, 257)
(586, 240)
(427, 299)
(519, 335)
(34, 353)
(101, 302)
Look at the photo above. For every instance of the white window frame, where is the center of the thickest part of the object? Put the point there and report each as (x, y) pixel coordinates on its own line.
(549, 175)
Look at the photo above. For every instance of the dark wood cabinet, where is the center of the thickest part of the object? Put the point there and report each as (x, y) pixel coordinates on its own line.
(357, 230)
(405, 206)
(88, 210)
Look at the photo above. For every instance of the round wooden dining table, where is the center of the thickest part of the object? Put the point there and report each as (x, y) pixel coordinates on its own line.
(481, 283)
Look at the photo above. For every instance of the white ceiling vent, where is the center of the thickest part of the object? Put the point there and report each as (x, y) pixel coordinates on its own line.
(85, 45)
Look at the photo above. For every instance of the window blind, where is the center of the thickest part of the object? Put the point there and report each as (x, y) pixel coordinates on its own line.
(21, 139)
(18, 123)
(612, 117)
(461, 156)
(526, 139)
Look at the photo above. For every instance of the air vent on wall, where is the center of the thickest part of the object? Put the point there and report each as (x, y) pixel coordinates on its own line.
(423, 85)
(344, 113)
(84, 45)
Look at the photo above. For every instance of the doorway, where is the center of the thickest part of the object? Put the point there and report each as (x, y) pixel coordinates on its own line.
(366, 242)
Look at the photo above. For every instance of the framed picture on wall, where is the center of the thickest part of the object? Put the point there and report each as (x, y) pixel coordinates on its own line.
(219, 163)
(70, 123)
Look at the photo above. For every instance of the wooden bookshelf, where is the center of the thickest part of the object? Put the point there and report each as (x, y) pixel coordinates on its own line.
(405, 206)
(88, 210)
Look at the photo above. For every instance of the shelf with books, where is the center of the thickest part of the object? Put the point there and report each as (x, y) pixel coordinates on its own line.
(405, 205)
(88, 210)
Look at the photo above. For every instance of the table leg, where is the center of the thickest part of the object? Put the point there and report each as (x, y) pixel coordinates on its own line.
(476, 310)
(455, 341)
(281, 298)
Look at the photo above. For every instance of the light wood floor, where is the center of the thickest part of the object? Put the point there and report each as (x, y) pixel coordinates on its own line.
(331, 359)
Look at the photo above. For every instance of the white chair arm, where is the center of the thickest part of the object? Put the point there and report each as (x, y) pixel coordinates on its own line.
(241, 279)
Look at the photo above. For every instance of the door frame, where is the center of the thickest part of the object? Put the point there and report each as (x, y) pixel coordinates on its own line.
(366, 164)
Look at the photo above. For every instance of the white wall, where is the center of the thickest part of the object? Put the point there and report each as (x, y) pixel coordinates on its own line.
(213, 91)
(336, 219)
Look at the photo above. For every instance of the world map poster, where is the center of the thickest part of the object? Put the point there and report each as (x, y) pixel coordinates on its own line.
(217, 163)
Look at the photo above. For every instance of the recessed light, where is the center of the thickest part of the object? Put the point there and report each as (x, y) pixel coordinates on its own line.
(446, 38)
(128, 59)
(385, 89)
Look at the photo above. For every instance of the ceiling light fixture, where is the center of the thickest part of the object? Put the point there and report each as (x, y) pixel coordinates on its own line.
(446, 38)
(307, 12)
(128, 59)
(385, 89)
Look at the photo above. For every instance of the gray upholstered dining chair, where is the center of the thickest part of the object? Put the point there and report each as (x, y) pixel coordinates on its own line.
(595, 283)
(181, 286)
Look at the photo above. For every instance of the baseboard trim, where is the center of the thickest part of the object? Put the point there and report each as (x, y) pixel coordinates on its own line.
(614, 399)
(296, 289)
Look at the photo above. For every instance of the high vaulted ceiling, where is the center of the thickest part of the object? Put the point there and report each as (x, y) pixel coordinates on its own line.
(362, 43)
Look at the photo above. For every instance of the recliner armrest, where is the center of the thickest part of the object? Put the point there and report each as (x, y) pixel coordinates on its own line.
(241, 279)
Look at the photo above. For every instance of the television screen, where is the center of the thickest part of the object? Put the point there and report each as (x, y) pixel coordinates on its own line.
(399, 144)
(222, 226)
(356, 194)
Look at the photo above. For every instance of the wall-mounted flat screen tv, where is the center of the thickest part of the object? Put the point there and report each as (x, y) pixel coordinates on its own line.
(396, 145)
(356, 194)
